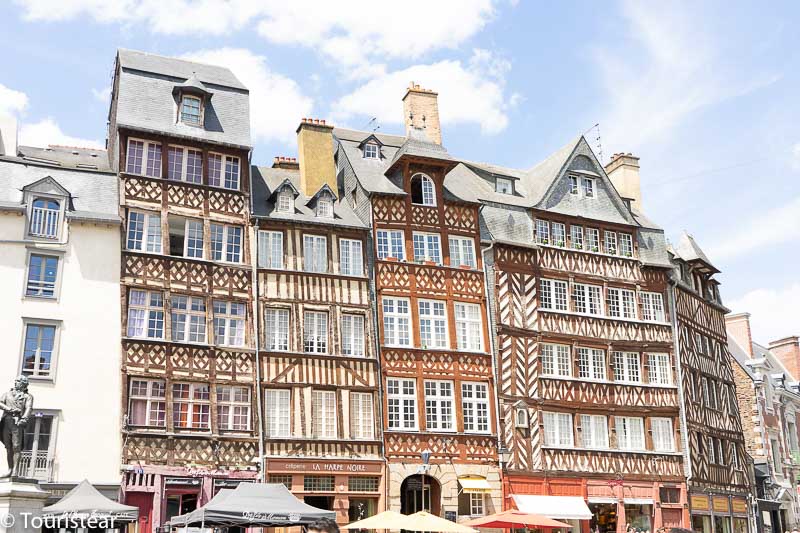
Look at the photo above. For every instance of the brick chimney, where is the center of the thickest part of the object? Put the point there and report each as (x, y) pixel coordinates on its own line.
(315, 150)
(421, 113)
(788, 351)
(738, 327)
(623, 170)
(288, 163)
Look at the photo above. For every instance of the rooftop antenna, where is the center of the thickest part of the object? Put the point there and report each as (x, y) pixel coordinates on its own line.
(373, 122)
(598, 141)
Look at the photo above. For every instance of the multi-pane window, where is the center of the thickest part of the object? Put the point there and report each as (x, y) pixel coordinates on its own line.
(362, 421)
(626, 244)
(573, 185)
(593, 239)
(439, 406)
(627, 367)
(353, 335)
(323, 414)
(553, 294)
(143, 158)
(363, 483)
(652, 306)
(184, 164)
(270, 249)
(432, 324)
(555, 360)
(324, 208)
(231, 173)
(576, 236)
(351, 261)
(663, 436)
(226, 243)
(559, 234)
(588, 187)
(319, 483)
(587, 299)
(194, 166)
(660, 369)
(315, 253)
(145, 314)
(462, 251)
(503, 186)
(475, 407)
(630, 433)
(277, 329)
(223, 171)
(390, 244)
(469, 332)
(144, 232)
(591, 363)
(147, 404)
(315, 332)
(277, 413)
(229, 323)
(37, 353)
(370, 151)
(135, 157)
(610, 242)
(42, 276)
(185, 237)
(188, 315)
(422, 190)
(558, 430)
(190, 110)
(396, 322)
(621, 303)
(542, 231)
(215, 170)
(401, 398)
(594, 431)
(191, 405)
(427, 247)
(285, 203)
(44, 220)
(233, 408)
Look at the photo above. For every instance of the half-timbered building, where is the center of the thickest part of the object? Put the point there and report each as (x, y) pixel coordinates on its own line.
(179, 137)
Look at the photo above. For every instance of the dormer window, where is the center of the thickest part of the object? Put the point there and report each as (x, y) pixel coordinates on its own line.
(44, 220)
(285, 200)
(325, 207)
(422, 190)
(573, 185)
(191, 110)
(504, 186)
(588, 187)
(370, 151)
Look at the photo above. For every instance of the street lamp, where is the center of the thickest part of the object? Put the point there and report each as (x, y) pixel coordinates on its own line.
(426, 466)
(504, 456)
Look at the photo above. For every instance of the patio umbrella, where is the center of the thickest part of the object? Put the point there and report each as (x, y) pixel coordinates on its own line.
(515, 519)
(384, 520)
(424, 521)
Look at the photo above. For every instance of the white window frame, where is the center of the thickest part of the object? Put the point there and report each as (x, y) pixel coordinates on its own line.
(389, 243)
(220, 172)
(230, 250)
(430, 246)
(504, 185)
(594, 432)
(588, 187)
(285, 200)
(591, 363)
(558, 231)
(315, 253)
(191, 226)
(625, 244)
(323, 414)
(576, 236)
(362, 416)
(315, 331)
(198, 419)
(469, 326)
(39, 286)
(371, 151)
(184, 170)
(397, 330)
(150, 312)
(146, 168)
(229, 322)
(553, 294)
(627, 367)
(191, 312)
(440, 407)
(324, 207)
(183, 116)
(236, 406)
(278, 413)
(270, 249)
(573, 185)
(462, 251)
(652, 306)
(558, 429)
(433, 330)
(630, 433)
(610, 242)
(351, 257)
(401, 400)
(542, 231)
(353, 335)
(477, 503)
(556, 360)
(276, 329)
(621, 303)
(152, 402)
(592, 240)
(151, 240)
(46, 220)
(587, 299)
(475, 407)
(660, 368)
(428, 189)
(38, 372)
(663, 434)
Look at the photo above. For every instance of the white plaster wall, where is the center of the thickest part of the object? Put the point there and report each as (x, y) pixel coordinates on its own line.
(86, 387)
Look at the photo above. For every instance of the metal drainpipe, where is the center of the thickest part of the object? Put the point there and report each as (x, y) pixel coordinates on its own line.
(257, 333)
(492, 332)
(671, 287)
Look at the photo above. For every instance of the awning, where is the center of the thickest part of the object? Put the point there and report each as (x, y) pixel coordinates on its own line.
(84, 504)
(558, 507)
(602, 499)
(474, 484)
(638, 501)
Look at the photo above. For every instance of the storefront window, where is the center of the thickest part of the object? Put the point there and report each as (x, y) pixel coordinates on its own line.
(178, 504)
(740, 525)
(701, 524)
(604, 517)
(361, 508)
(722, 524)
(639, 518)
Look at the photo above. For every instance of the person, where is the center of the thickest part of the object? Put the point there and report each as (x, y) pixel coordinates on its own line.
(323, 525)
(16, 406)
(679, 530)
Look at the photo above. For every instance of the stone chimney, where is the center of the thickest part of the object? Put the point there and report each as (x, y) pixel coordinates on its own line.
(788, 351)
(315, 150)
(623, 170)
(421, 113)
(8, 135)
(287, 163)
(738, 327)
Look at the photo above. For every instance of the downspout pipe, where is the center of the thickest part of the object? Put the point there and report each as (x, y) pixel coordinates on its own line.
(262, 471)
(492, 334)
(687, 461)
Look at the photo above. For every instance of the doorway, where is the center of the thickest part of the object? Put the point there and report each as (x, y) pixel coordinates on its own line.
(320, 502)
(420, 493)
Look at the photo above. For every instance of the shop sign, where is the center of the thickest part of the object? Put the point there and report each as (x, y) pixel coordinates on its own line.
(328, 467)
(192, 482)
(739, 505)
(207, 472)
(721, 504)
(699, 502)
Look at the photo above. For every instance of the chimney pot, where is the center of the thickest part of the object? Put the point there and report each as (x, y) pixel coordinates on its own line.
(421, 112)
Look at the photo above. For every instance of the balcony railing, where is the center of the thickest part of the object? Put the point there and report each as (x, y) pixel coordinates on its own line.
(37, 466)
(44, 222)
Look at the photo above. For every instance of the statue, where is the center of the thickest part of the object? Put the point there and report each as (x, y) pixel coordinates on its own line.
(16, 406)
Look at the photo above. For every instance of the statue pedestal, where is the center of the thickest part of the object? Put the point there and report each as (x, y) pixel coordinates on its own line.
(21, 503)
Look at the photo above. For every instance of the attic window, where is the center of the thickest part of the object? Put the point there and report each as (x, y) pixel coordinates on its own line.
(370, 151)
(588, 187)
(44, 218)
(325, 207)
(190, 110)
(285, 200)
(422, 190)
(504, 186)
(573, 185)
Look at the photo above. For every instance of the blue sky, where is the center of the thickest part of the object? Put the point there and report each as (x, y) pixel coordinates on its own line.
(705, 94)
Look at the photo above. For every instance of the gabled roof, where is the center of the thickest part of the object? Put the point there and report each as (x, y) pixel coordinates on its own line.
(193, 85)
(286, 183)
(420, 148)
(371, 137)
(178, 68)
(537, 180)
(322, 190)
(688, 250)
(47, 185)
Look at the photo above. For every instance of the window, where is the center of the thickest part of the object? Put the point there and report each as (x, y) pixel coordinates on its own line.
(559, 234)
(144, 232)
(591, 363)
(145, 314)
(626, 244)
(390, 244)
(621, 303)
(627, 367)
(588, 187)
(184, 164)
(324, 206)
(573, 185)
(350, 257)
(594, 431)
(587, 298)
(315, 253)
(319, 483)
(555, 360)
(630, 433)
(277, 413)
(593, 239)
(432, 324)
(471, 503)
(652, 306)
(542, 231)
(185, 237)
(270, 249)
(427, 247)
(37, 354)
(576, 237)
(469, 332)
(226, 243)
(396, 322)
(135, 157)
(229, 323)
(190, 110)
(215, 170)
(353, 335)
(315, 332)
(191, 405)
(558, 430)
(475, 407)
(777, 462)
(285, 203)
(42, 276)
(231, 173)
(422, 190)
(660, 370)
(439, 413)
(45, 215)
(362, 423)
(553, 295)
(462, 251)
(401, 397)
(143, 156)
(610, 242)
(233, 408)
(323, 405)
(663, 437)
(277, 329)
(188, 318)
(370, 151)
(504, 186)
(147, 403)
(230, 178)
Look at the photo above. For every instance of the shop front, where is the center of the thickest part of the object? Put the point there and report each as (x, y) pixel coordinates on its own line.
(718, 513)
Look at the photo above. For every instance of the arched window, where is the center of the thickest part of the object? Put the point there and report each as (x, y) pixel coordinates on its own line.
(422, 190)
(44, 218)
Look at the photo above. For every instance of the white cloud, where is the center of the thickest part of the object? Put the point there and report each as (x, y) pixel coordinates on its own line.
(12, 102)
(277, 103)
(767, 228)
(774, 313)
(471, 93)
(102, 95)
(47, 132)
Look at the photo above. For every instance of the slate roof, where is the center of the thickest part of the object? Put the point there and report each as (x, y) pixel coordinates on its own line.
(67, 157)
(145, 99)
(689, 250)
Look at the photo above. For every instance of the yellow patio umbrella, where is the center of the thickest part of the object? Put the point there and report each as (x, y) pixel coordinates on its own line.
(384, 520)
(424, 521)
